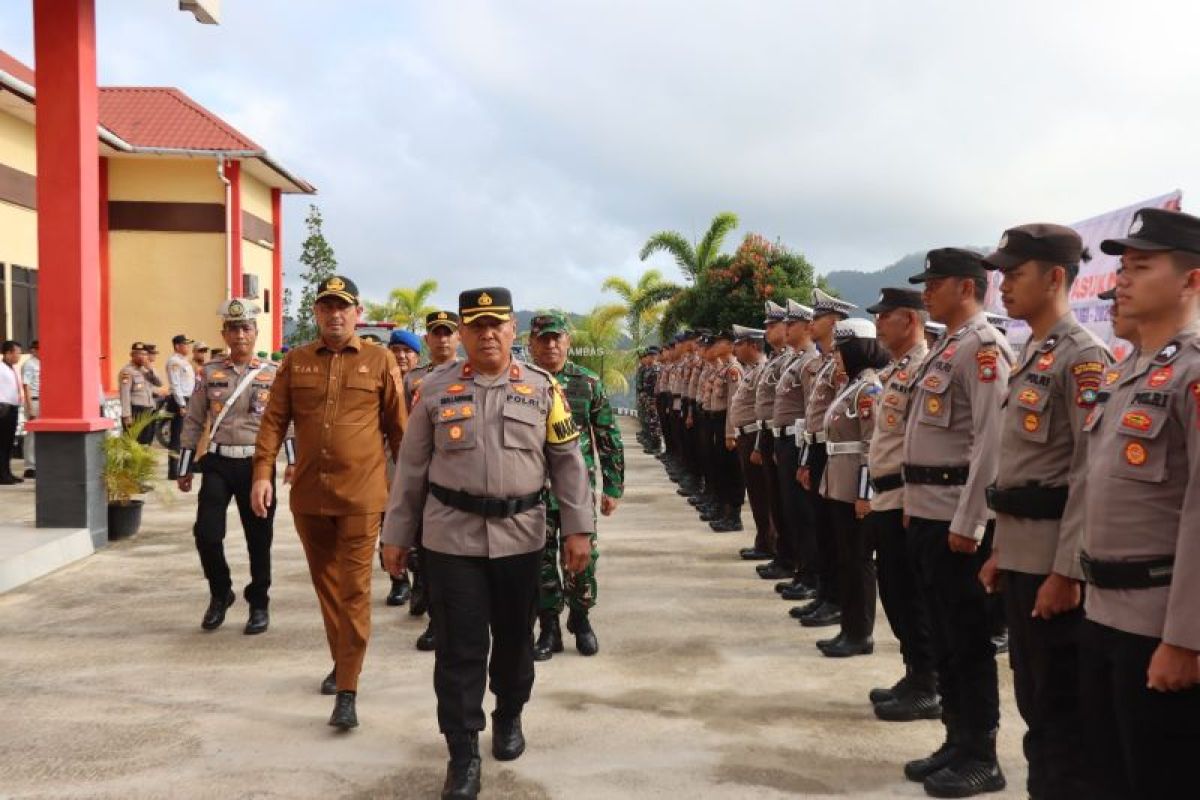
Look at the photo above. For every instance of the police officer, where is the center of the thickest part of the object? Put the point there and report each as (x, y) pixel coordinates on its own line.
(727, 476)
(1140, 677)
(899, 322)
(181, 380)
(1053, 387)
(741, 424)
(775, 320)
(483, 439)
(441, 340)
(951, 445)
(346, 402)
(224, 411)
(405, 347)
(137, 390)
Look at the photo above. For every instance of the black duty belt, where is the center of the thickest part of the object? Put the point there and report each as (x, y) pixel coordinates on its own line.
(501, 507)
(938, 476)
(1144, 574)
(885, 483)
(1030, 502)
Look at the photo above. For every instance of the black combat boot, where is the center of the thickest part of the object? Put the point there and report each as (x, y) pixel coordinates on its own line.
(344, 716)
(214, 615)
(549, 641)
(401, 591)
(508, 740)
(881, 694)
(428, 640)
(585, 638)
(975, 771)
(916, 698)
(465, 769)
(921, 768)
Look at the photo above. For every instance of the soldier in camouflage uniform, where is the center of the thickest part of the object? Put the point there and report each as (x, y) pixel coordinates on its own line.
(646, 381)
(549, 343)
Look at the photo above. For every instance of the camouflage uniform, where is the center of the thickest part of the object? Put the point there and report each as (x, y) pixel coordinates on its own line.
(646, 382)
(594, 418)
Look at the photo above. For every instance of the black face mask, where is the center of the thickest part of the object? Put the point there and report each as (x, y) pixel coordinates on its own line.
(859, 354)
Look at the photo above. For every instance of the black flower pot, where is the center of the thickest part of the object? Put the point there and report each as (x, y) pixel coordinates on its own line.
(124, 521)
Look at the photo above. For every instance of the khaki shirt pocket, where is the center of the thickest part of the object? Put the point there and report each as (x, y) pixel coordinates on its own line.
(892, 410)
(308, 393)
(1034, 413)
(1143, 450)
(935, 400)
(359, 403)
(454, 433)
(522, 427)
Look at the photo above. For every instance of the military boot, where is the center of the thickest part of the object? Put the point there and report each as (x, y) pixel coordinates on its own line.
(585, 638)
(401, 591)
(916, 699)
(975, 771)
(508, 740)
(549, 641)
(881, 694)
(465, 769)
(921, 768)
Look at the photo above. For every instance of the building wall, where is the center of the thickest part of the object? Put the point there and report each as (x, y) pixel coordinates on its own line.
(18, 225)
(177, 180)
(256, 197)
(18, 148)
(256, 258)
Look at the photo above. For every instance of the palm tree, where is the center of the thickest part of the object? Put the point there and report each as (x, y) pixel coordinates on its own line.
(694, 261)
(643, 302)
(404, 306)
(594, 338)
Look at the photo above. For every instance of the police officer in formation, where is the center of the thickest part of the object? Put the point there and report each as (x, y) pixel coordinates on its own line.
(220, 426)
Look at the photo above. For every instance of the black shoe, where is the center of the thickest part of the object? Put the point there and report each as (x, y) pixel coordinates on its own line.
(10, 480)
(882, 695)
(783, 585)
(258, 623)
(909, 706)
(1000, 642)
(798, 591)
(823, 617)
(419, 602)
(30, 473)
(215, 614)
(966, 777)
(806, 610)
(427, 641)
(848, 647)
(549, 641)
(712, 515)
(754, 554)
(585, 638)
(463, 774)
(329, 685)
(730, 523)
(921, 768)
(823, 643)
(344, 716)
(400, 592)
(508, 742)
(773, 571)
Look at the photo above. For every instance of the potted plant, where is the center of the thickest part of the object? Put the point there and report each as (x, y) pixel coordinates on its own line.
(128, 469)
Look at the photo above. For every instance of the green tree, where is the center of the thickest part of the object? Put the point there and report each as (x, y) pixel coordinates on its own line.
(693, 260)
(595, 340)
(319, 264)
(643, 302)
(407, 307)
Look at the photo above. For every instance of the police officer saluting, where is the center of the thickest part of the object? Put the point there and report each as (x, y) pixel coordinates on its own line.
(951, 445)
(1140, 677)
(224, 411)
(482, 440)
(1052, 389)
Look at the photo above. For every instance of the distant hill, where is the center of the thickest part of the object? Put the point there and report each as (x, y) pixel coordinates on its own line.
(862, 288)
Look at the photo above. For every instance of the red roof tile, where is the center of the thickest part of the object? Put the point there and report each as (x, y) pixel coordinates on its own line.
(166, 117)
(15, 68)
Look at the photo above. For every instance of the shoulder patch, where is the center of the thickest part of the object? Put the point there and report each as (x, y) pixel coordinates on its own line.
(560, 425)
(986, 359)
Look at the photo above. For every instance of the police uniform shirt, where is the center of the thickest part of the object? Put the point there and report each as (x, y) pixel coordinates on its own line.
(886, 456)
(1142, 484)
(181, 376)
(848, 422)
(955, 421)
(791, 402)
(819, 380)
(135, 389)
(1049, 395)
(764, 390)
(414, 377)
(741, 406)
(488, 437)
(724, 382)
(692, 392)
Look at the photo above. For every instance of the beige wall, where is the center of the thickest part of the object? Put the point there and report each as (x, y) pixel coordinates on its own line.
(256, 197)
(256, 260)
(176, 180)
(18, 225)
(17, 144)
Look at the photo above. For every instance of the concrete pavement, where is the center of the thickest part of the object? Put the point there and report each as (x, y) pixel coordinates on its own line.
(702, 688)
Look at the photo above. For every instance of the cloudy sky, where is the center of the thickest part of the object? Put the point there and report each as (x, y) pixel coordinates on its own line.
(538, 144)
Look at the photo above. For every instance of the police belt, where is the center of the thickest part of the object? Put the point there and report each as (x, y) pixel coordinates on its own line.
(814, 438)
(885, 483)
(1030, 502)
(937, 476)
(789, 430)
(751, 428)
(1144, 574)
(844, 448)
(232, 450)
(501, 507)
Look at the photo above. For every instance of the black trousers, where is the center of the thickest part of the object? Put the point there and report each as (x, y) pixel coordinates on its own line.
(797, 542)
(173, 445)
(730, 488)
(702, 434)
(902, 602)
(766, 446)
(962, 642)
(1044, 656)
(8, 435)
(147, 434)
(477, 603)
(822, 525)
(755, 477)
(856, 570)
(226, 478)
(1138, 742)
(663, 403)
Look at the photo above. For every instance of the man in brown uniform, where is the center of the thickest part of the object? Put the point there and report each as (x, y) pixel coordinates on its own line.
(1052, 389)
(137, 389)
(899, 319)
(346, 401)
(742, 427)
(1140, 682)
(484, 439)
(951, 445)
(764, 448)
(727, 476)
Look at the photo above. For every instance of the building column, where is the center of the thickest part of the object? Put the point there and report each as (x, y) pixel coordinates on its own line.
(233, 171)
(70, 492)
(106, 351)
(276, 270)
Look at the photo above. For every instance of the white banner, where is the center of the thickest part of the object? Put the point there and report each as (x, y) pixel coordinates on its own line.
(1095, 276)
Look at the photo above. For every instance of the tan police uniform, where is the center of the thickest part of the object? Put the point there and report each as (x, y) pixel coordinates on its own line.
(742, 423)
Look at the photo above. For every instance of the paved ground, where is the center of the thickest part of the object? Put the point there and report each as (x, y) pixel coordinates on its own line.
(703, 687)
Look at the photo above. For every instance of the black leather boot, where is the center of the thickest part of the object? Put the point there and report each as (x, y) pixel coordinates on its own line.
(881, 694)
(214, 615)
(975, 771)
(549, 641)
(916, 699)
(427, 641)
(465, 768)
(585, 638)
(400, 592)
(508, 740)
(344, 716)
(921, 768)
